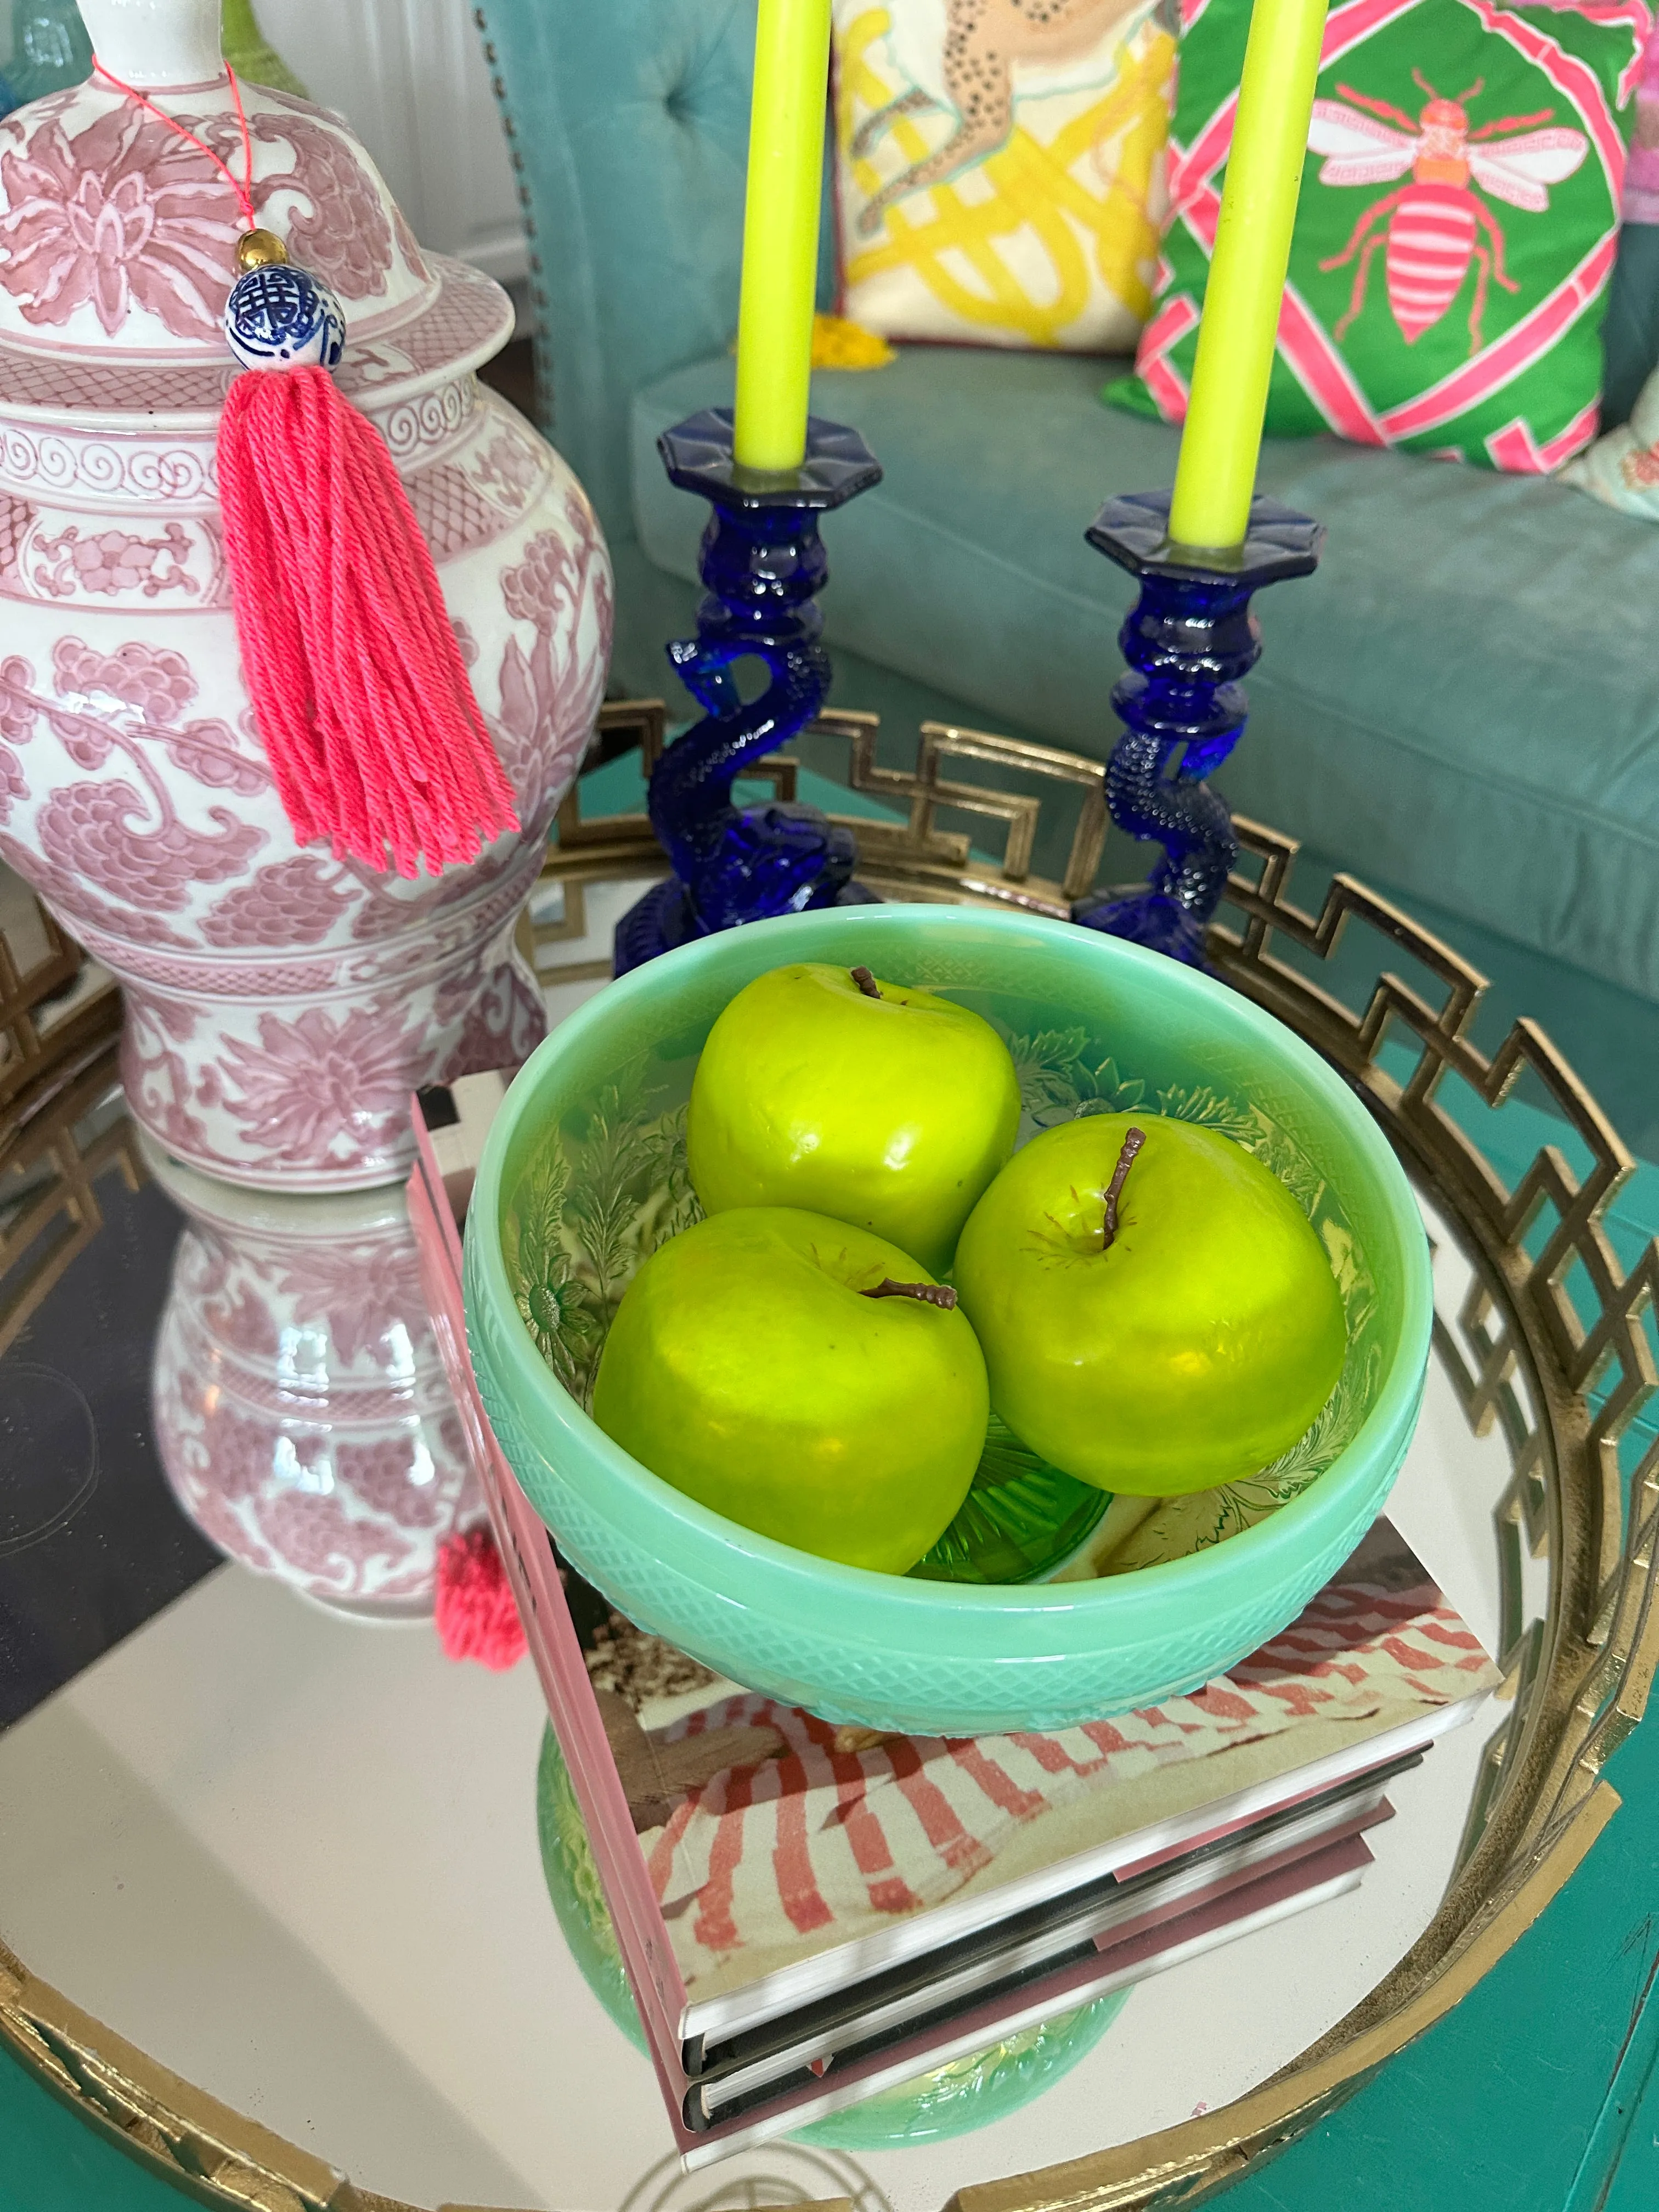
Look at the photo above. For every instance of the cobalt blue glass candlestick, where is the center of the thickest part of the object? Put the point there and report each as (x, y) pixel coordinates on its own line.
(1188, 639)
(763, 566)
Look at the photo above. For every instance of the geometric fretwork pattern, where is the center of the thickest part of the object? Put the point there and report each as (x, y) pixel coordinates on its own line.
(1553, 1347)
(1555, 1342)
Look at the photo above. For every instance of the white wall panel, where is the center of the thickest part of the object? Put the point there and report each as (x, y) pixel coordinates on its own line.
(411, 76)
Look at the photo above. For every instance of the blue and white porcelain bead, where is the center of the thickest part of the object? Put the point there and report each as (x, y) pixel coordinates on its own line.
(280, 317)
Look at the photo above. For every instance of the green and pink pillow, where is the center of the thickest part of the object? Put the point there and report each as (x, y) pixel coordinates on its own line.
(1456, 230)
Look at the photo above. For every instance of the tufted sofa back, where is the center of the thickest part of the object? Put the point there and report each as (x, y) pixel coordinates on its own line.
(629, 122)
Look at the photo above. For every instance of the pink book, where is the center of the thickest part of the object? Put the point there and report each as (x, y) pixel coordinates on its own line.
(807, 1914)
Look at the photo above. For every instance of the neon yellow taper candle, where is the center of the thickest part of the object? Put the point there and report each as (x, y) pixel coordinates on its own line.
(1216, 474)
(780, 233)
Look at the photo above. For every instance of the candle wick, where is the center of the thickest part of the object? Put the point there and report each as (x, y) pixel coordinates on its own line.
(1133, 1141)
(866, 983)
(928, 1294)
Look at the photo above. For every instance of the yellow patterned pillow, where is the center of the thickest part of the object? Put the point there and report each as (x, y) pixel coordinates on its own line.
(1000, 168)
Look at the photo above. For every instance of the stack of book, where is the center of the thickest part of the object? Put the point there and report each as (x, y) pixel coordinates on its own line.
(807, 1912)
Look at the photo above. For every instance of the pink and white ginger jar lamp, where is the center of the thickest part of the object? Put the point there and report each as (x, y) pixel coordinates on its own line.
(280, 1004)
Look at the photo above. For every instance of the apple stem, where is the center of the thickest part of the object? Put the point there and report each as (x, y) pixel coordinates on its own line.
(1133, 1141)
(929, 1294)
(866, 983)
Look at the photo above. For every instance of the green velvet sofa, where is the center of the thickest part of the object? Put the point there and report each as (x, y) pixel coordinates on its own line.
(1462, 706)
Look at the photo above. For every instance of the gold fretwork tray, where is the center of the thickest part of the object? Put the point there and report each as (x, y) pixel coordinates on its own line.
(1554, 1349)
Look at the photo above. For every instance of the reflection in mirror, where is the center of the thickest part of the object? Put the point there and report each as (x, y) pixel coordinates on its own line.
(251, 1819)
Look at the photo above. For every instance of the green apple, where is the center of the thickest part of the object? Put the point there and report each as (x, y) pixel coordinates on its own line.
(1188, 1346)
(883, 1106)
(788, 1370)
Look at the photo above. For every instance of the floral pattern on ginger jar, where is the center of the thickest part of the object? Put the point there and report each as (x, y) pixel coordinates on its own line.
(280, 1004)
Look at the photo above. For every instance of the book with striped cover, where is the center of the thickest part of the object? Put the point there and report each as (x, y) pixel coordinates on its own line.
(807, 1912)
(812, 1853)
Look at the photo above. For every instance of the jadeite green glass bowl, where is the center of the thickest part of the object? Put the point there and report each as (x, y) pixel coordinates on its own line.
(928, 1657)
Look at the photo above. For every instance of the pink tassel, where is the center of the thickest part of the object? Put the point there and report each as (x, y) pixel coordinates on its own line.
(360, 696)
(474, 1610)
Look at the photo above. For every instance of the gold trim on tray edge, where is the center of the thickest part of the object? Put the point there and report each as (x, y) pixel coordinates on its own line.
(1590, 1669)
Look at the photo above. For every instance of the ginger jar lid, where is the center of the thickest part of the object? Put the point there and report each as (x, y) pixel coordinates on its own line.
(118, 238)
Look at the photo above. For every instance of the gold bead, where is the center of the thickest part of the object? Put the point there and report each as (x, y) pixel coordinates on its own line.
(260, 249)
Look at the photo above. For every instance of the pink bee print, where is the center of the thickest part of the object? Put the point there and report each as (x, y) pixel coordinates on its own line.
(1436, 226)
